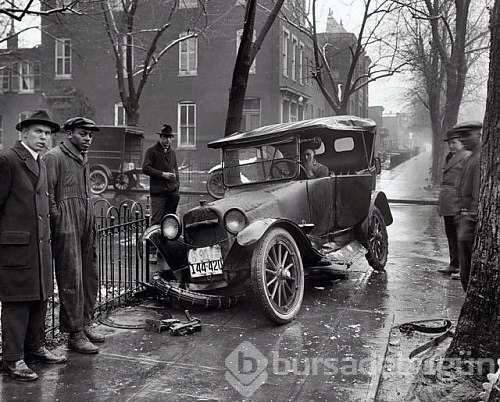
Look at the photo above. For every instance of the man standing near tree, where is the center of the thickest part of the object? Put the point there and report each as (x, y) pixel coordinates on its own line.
(74, 233)
(160, 164)
(468, 196)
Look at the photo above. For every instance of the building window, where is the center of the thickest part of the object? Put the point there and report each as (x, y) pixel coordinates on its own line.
(186, 117)
(4, 79)
(188, 56)
(294, 58)
(251, 114)
(63, 58)
(1, 132)
(25, 76)
(285, 112)
(120, 115)
(301, 64)
(284, 54)
(239, 34)
(188, 3)
(293, 111)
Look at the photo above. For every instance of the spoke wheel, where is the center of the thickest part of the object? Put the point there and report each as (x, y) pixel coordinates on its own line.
(278, 276)
(98, 181)
(215, 184)
(376, 241)
(121, 182)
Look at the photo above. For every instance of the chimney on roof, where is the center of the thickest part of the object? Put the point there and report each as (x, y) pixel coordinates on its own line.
(12, 40)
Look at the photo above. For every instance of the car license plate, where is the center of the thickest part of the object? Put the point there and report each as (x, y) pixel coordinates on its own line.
(205, 261)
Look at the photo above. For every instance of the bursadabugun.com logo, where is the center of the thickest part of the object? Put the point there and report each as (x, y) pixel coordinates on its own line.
(246, 369)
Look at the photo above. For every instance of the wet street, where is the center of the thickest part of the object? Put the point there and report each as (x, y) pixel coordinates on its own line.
(333, 351)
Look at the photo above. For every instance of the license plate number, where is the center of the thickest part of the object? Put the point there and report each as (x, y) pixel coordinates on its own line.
(205, 261)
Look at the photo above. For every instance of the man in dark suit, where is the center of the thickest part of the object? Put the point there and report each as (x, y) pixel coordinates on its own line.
(468, 196)
(25, 254)
(448, 196)
(160, 164)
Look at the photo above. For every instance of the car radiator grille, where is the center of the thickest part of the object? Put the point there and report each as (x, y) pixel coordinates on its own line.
(203, 227)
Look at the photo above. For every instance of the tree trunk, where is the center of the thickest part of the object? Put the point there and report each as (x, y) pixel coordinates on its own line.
(241, 72)
(478, 328)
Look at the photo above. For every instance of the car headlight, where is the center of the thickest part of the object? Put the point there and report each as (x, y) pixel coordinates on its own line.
(235, 220)
(171, 227)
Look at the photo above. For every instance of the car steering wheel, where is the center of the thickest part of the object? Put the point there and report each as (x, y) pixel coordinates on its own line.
(279, 170)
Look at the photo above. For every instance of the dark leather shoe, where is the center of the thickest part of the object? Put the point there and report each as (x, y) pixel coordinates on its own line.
(79, 343)
(18, 370)
(93, 336)
(43, 355)
(449, 270)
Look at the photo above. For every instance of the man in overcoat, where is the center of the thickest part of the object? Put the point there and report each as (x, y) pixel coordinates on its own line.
(469, 185)
(448, 196)
(160, 164)
(25, 255)
(74, 233)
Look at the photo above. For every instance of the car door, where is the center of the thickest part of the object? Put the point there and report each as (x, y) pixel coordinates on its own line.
(320, 193)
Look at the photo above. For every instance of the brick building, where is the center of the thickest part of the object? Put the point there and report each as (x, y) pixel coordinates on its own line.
(73, 72)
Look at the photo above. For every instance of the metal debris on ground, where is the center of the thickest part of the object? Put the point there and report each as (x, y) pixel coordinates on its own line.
(174, 325)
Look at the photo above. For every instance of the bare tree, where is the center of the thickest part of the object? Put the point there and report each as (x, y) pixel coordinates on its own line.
(246, 55)
(443, 40)
(129, 42)
(339, 90)
(18, 9)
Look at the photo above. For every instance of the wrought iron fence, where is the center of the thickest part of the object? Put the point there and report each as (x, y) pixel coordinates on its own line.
(122, 260)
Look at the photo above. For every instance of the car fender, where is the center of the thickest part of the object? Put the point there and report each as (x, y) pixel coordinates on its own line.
(379, 200)
(257, 230)
(102, 167)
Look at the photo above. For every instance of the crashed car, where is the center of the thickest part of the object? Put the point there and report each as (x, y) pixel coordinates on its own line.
(274, 226)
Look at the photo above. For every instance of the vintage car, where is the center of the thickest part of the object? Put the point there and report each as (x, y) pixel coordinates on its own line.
(273, 225)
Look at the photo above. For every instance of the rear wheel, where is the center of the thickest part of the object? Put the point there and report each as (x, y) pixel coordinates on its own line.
(375, 239)
(122, 182)
(278, 276)
(98, 181)
(215, 184)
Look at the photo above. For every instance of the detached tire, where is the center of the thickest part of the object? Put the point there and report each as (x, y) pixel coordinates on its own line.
(278, 276)
(375, 240)
(98, 181)
(122, 182)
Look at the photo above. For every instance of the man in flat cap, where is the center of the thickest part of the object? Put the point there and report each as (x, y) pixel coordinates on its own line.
(160, 164)
(74, 233)
(469, 134)
(448, 197)
(25, 255)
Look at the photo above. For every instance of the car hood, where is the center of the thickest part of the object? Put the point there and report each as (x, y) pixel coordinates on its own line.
(267, 200)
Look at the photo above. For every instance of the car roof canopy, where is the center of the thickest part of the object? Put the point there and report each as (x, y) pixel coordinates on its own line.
(277, 131)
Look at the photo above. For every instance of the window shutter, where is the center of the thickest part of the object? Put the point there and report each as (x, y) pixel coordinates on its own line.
(15, 77)
(37, 70)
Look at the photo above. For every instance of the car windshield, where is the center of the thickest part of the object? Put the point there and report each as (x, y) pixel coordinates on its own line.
(260, 163)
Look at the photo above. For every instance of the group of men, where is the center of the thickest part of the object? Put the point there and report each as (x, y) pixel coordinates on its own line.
(45, 211)
(459, 197)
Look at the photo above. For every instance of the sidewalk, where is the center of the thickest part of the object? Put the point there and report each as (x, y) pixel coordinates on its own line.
(333, 351)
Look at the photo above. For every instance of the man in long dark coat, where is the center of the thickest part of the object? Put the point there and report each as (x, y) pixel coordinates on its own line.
(25, 255)
(468, 196)
(448, 197)
(74, 233)
(160, 164)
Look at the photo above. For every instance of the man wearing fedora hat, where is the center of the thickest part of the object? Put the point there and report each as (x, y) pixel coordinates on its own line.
(74, 233)
(25, 253)
(469, 133)
(448, 196)
(160, 164)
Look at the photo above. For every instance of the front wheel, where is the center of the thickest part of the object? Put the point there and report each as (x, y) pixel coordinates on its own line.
(375, 240)
(122, 182)
(278, 276)
(215, 184)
